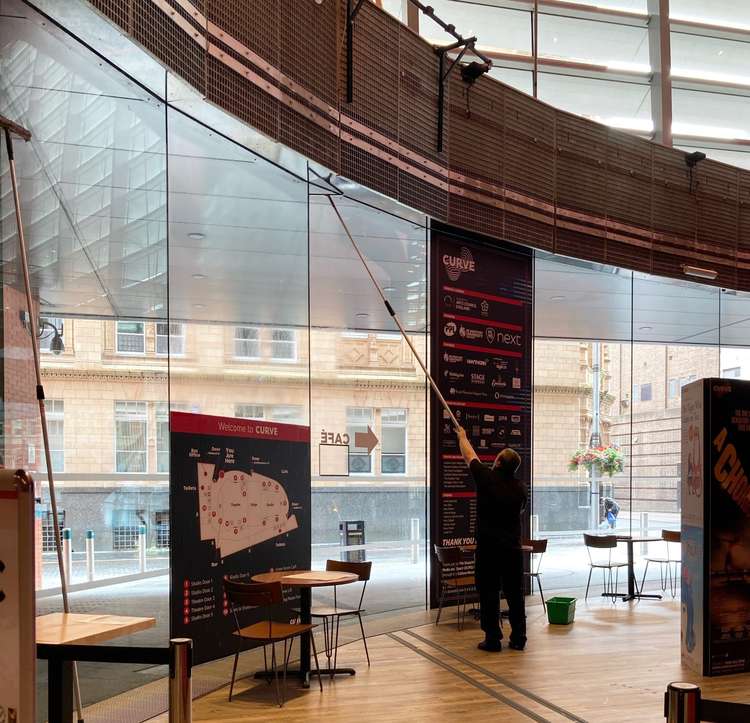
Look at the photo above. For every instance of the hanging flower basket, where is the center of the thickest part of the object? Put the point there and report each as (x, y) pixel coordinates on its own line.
(605, 460)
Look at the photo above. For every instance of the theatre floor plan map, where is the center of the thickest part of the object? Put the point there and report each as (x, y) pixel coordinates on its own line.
(240, 509)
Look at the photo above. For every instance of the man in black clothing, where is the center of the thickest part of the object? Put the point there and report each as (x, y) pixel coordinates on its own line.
(501, 498)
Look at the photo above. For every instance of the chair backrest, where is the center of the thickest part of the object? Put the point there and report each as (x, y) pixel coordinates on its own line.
(252, 594)
(449, 555)
(671, 535)
(361, 569)
(538, 547)
(601, 542)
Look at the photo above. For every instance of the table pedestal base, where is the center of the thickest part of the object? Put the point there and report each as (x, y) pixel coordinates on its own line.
(303, 675)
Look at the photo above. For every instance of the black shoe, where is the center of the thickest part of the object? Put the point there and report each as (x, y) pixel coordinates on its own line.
(490, 646)
(516, 646)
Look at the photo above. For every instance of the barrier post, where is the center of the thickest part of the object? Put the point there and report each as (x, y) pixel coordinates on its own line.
(414, 539)
(180, 680)
(90, 569)
(142, 548)
(682, 703)
(644, 532)
(67, 545)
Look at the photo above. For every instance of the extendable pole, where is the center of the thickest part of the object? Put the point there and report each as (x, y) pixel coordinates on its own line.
(393, 314)
(23, 133)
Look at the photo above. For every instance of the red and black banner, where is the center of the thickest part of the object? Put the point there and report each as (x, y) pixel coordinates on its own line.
(239, 506)
(481, 359)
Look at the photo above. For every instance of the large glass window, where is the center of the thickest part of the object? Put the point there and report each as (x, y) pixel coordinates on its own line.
(54, 409)
(393, 446)
(131, 437)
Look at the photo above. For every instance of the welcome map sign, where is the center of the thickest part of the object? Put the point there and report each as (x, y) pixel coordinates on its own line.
(481, 360)
(239, 505)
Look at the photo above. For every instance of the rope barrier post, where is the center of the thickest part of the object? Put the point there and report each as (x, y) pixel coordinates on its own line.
(90, 556)
(682, 703)
(180, 680)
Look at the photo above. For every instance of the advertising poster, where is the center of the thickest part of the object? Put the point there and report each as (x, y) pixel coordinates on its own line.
(481, 360)
(239, 506)
(693, 500)
(729, 564)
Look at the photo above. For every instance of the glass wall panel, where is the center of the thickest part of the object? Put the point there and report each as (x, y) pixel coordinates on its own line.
(614, 103)
(716, 12)
(519, 79)
(701, 113)
(697, 56)
(367, 385)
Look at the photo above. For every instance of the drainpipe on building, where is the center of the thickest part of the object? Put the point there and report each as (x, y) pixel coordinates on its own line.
(595, 439)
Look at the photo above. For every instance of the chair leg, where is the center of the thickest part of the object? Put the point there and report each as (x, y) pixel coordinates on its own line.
(315, 655)
(328, 638)
(541, 592)
(286, 663)
(364, 638)
(276, 674)
(591, 569)
(440, 604)
(643, 580)
(617, 581)
(234, 671)
(336, 647)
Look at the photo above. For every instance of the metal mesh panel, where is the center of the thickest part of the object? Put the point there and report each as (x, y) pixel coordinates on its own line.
(240, 96)
(630, 256)
(255, 24)
(743, 235)
(159, 33)
(674, 205)
(529, 231)
(119, 11)
(471, 214)
(575, 243)
(377, 173)
(476, 129)
(375, 98)
(529, 140)
(420, 194)
(629, 166)
(581, 160)
(716, 188)
(418, 97)
(309, 138)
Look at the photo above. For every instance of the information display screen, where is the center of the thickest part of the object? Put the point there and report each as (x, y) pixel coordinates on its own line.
(481, 325)
(239, 506)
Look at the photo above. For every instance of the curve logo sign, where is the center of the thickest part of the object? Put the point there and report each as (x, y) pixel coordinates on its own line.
(457, 265)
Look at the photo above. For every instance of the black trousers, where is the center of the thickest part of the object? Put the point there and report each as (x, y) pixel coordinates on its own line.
(499, 568)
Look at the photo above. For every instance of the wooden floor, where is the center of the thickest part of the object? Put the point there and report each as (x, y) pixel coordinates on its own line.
(613, 664)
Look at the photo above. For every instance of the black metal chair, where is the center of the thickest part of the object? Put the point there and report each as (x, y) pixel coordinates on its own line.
(608, 543)
(268, 597)
(666, 562)
(331, 615)
(456, 588)
(538, 548)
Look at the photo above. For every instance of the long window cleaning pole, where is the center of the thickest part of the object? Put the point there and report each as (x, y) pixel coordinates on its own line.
(10, 127)
(393, 314)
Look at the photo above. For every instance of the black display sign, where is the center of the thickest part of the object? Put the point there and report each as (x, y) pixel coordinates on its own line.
(481, 360)
(239, 506)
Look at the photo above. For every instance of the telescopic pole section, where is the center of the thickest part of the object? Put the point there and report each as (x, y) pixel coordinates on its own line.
(394, 315)
(9, 126)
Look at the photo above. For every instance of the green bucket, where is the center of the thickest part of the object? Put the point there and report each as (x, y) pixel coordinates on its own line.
(561, 610)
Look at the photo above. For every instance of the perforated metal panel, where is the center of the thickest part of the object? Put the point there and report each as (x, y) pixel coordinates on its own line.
(511, 167)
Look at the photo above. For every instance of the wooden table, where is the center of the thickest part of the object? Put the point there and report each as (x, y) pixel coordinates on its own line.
(633, 592)
(69, 629)
(305, 581)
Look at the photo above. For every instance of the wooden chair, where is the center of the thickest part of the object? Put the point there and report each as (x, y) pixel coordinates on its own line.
(331, 615)
(457, 587)
(666, 562)
(608, 543)
(268, 598)
(538, 548)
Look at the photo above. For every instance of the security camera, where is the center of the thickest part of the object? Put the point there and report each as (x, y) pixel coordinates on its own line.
(693, 159)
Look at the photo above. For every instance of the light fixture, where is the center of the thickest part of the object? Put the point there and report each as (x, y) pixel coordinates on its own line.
(412, 284)
(557, 298)
(389, 289)
(199, 276)
(196, 236)
(361, 315)
(645, 328)
(199, 306)
(699, 272)
(56, 345)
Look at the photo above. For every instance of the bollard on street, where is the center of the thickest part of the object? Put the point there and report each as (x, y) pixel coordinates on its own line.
(414, 539)
(180, 680)
(142, 548)
(67, 549)
(90, 568)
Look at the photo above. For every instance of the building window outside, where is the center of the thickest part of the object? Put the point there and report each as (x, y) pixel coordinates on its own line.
(47, 335)
(54, 411)
(131, 337)
(284, 345)
(48, 529)
(249, 411)
(674, 388)
(731, 373)
(161, 527)
(170, 339)
(162, 436)
(393, 441)
(247, 342)
(131, 437)
(125, 525)
(642, 392)
(357, 420)
(287, 413)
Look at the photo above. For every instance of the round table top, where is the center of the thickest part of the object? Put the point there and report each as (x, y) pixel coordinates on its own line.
(307, 578)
